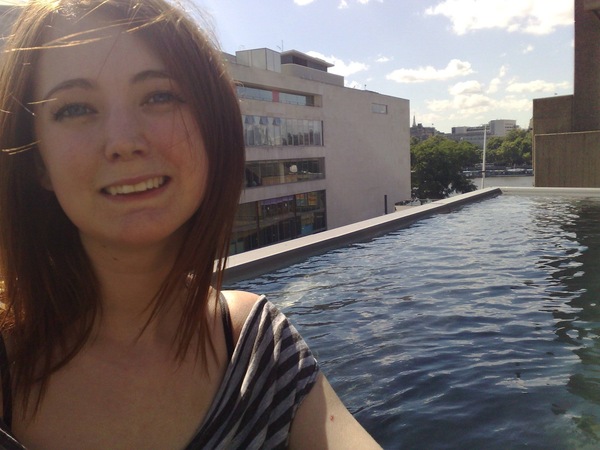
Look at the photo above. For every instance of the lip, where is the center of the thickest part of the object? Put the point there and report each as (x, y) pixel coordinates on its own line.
(136, 187)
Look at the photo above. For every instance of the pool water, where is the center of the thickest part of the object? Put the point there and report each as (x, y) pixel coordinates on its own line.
(477, 329)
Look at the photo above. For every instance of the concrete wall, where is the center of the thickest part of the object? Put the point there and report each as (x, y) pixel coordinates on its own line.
(553, 114)
(566, 147)
(567, 159)
(586, 110)
(367, 154)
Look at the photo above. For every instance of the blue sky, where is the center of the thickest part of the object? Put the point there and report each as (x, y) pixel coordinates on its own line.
(459, 62)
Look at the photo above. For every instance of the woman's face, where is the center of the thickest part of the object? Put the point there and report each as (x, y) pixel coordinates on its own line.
(118, 142)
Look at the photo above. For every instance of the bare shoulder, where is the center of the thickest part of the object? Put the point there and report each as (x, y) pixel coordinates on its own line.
(322, 421)
(240, 304)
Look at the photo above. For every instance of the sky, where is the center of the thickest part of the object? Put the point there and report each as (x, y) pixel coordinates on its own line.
(459, 62)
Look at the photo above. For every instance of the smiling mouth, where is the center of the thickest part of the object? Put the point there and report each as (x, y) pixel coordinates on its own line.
(143, 186)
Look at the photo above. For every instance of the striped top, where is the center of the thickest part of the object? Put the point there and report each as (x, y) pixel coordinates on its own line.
(270, 373)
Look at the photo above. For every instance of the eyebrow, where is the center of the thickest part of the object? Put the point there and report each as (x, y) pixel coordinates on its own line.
(68, 84)
(149, 74)
(84, 83)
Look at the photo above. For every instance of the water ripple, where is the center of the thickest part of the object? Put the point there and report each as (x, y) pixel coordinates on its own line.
(477, 329)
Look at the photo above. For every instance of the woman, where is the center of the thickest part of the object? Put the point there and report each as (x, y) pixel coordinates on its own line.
(120, 174)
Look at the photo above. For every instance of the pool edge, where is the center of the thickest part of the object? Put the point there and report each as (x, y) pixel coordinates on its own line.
(254, 263)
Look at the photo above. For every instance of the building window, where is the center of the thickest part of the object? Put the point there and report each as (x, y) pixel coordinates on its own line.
(267, 95)
(379, 108)
(267, 173)
(296, 99)
(266, 222)
(277, 131)
(255, 93)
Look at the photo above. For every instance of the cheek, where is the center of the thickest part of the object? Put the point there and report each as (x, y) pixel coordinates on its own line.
(62, 162)
(186, 146)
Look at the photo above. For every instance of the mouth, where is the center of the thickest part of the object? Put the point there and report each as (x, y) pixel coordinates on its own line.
(142, 186)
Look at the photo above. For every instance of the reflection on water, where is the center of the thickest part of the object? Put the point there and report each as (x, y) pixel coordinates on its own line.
(581, 327)
(475, 329)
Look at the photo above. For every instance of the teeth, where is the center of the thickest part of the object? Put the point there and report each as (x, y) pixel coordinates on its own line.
(125, 189)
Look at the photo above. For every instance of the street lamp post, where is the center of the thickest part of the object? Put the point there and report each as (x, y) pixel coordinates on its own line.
(483, 164)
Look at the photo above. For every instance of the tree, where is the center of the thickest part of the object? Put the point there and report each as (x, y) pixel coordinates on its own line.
(437, 167)
(512, 150)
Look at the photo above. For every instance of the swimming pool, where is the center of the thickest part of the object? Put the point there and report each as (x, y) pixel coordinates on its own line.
(474, 329)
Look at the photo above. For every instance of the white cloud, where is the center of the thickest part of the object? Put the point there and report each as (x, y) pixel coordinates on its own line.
(465, 87)
(494, 86)
(455, 68)
(470, 103)
(475, 108)
(466, 104)
(528, 49)
(340, 67)
(353, 85)
(383, 59)
(303, 2)
(526, 16)
(513, 103)
(536, 86)
(344, 4)
(495, 83)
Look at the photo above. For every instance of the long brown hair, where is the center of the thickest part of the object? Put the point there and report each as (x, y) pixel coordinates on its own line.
(51, 294)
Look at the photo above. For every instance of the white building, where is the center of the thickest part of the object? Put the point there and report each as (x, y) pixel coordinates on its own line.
(474, 135)
(319, 155)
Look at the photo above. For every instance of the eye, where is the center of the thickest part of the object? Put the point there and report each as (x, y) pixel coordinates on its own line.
(73, 110)
(163, 97)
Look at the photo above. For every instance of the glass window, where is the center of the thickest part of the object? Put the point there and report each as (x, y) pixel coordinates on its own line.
(277, 131)
(266, 173)
(268, 95)
(245, 229)
(278, 219)
(255, 93)
(379, 108)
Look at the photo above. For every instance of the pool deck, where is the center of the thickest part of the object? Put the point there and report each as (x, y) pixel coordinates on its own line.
(267, 259)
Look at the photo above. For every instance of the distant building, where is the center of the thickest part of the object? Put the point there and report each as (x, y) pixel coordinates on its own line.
(420, 132)
(319, 155)
(475, 135)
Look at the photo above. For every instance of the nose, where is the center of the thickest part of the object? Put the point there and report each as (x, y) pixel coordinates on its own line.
(124, 136)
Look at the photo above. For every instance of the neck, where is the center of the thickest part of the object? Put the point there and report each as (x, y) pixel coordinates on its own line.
(130, 280)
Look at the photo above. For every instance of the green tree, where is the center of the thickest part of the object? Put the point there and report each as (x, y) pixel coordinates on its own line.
(492, 148)
(510, 150)
(437, 167)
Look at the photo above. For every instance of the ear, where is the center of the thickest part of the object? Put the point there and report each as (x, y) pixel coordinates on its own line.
(42, 173)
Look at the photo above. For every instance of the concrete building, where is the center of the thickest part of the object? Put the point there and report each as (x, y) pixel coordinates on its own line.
(319, 155)
(474, 135)
(420, 132)
(566, 146)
